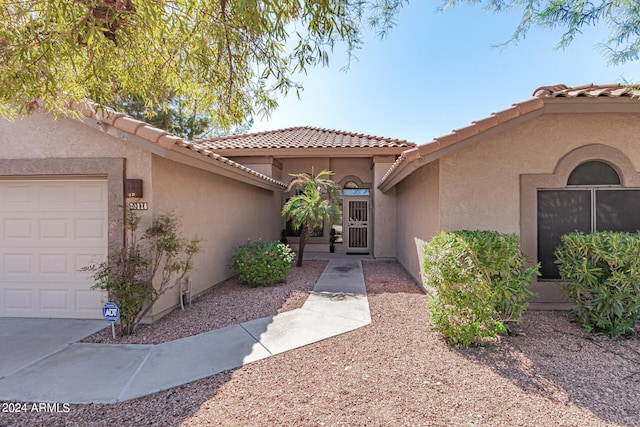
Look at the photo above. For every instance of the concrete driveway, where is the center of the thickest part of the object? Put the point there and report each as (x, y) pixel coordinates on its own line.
(24, 341)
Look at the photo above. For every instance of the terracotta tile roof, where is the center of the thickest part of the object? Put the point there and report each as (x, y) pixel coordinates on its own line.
(588, 90)
(301, 137)
(460, 134)
(120, 121)
(498, 118)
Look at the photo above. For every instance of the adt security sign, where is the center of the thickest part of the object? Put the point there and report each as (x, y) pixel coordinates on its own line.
(110, 311)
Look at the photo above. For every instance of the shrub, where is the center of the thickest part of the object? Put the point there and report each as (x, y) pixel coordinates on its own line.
(161, 253)
(262, 263)
(477, 284)
(603, 274)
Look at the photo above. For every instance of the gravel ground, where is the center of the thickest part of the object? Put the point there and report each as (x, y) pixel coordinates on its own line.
(226, 304)
(398, 372)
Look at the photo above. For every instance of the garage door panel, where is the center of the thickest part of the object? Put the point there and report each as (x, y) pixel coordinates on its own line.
(17, 196)
(54, 195)
(30, 195)
(48, 265)
(91, 196)
(16, 228)
(85, 300)
(17, 299)
(85, 260)
(87, 229)
(50, 230)
(54, 264)
(53, 228)
(17, 264)
(53, 299)
(63, 302)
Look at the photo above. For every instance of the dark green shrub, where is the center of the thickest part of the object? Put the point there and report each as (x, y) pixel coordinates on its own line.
(262, 263)
(603, 274)
(477, 284)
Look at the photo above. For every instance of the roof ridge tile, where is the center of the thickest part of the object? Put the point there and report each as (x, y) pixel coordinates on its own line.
(610, 90)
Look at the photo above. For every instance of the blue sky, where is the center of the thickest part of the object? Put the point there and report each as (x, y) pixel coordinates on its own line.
(437, 71)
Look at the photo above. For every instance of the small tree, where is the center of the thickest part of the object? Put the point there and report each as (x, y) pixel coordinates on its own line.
(128, 275)
(316, 203)
(227, 59)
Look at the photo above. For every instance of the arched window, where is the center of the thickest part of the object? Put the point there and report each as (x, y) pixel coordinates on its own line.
(594, 173)
(351, 188)
(593, 200)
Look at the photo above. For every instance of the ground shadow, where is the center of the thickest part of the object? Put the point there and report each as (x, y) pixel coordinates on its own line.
(388, 277)
(556, 359)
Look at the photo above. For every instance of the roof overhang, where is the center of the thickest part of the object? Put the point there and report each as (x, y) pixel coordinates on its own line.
(163, 144)
(499, 122)
(424, 154)
(592, 105)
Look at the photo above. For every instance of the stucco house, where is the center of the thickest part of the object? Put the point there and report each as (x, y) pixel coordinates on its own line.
(358, 163)
(64, 185)
(62, 200)
(565, 159)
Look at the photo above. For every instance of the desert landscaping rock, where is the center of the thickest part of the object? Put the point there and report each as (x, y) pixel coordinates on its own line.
(397, 371)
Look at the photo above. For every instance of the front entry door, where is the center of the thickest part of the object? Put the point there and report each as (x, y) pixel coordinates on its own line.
(357, 216)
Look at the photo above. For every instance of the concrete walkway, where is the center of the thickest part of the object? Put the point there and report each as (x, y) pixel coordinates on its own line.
(108, 373)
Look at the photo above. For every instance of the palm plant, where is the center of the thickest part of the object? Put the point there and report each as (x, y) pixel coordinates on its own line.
(316, 202)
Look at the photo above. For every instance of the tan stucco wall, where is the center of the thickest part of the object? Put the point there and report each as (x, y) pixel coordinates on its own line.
(417, 215)
(221, 211)
(42, 136)
(295, 166)
(384, 212)
(343, 168)
(40, 145)
(479, 185)
(266, 165)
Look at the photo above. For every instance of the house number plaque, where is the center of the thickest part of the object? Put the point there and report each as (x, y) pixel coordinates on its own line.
(138, 206)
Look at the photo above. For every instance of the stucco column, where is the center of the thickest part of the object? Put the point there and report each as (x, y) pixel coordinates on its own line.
(384, 211)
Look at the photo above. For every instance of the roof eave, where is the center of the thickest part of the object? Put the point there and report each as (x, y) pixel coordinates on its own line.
(592, 105)
(223, 166)
(460, 138)
(162, 143)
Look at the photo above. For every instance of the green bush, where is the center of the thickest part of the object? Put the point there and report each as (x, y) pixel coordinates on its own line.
(262, 263)
(603, 274)
(128, 275)
(477, 284)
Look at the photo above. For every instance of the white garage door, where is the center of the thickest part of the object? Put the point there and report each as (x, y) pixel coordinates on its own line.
(49, 230)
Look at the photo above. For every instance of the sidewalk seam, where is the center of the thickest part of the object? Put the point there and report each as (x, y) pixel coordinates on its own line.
(135, 374)
(256, 340)
(37, 361)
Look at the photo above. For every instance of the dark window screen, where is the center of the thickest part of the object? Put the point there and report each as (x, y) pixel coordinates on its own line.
(559, 212)
(618, 210)
(594, 173)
